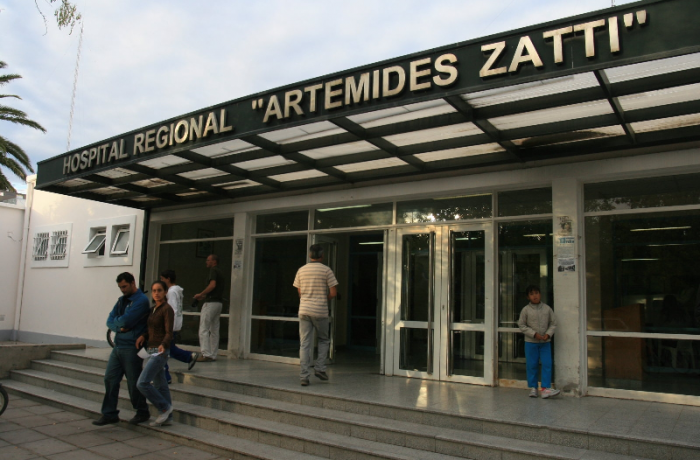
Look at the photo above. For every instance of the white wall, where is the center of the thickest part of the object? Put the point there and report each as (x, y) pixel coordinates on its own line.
(71, 304)
(11, 224)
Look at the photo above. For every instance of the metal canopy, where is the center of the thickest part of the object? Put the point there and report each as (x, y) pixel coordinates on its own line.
(643, 93)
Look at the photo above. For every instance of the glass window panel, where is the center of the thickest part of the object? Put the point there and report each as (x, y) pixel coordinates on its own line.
(511, 356)
(468, 280)
(95, 244)
(121, 244)
(415, 289)
(655, 365)
(283, 222)
(642, 272)
(364, 333)
(651, 68)
(354, 216)
(197, 230)
(552, 115)
(524, 202)
(524, 258)
(650, 192)
(276, 263)
(414, 349)
(444, 209)
(272, 337)
(468, 353)
(673, 95)
(530, 90)
(658, 124)
(299, 175)
(188, 260)
(189, 334)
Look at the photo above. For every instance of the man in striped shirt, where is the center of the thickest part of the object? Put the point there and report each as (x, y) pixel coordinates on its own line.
(316, 284)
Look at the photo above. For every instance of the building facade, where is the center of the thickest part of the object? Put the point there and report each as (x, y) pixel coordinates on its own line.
(563, 155)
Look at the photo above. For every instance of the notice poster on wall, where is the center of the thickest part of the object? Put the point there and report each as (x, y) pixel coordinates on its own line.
(566, 260)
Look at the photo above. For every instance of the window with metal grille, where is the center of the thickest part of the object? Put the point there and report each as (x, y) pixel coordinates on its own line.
(59, 242)
(41, 245)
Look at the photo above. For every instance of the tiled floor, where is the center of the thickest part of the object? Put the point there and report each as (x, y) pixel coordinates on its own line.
(29, 430)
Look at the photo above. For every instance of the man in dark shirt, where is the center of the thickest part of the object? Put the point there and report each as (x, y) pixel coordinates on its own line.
(128, 321)
(211, 310)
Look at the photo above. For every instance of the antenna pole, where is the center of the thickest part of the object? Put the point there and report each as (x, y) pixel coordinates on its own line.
(75, 86)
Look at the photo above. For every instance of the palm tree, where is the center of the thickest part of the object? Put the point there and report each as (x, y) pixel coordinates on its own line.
(12, 156)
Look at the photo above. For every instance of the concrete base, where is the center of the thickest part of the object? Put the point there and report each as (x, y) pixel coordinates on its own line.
(18, 355)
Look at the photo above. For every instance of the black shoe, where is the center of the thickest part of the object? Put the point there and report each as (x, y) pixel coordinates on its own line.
(193, 361)
(102, 421)
(139, 418)
(321, 375)
(305, 382)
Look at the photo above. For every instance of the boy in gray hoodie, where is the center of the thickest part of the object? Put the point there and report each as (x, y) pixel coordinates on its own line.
(537, 322)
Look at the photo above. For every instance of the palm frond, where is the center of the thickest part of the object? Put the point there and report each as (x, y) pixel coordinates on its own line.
(10, 95)
(19, 117)
(5, 184)
(4, 79)
(19, 154)
(14, 167)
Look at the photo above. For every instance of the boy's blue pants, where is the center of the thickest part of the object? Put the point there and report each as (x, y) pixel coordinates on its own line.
(534, 354)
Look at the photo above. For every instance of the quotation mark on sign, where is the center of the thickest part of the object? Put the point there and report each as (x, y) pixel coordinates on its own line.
(258, 103)
(641, 18)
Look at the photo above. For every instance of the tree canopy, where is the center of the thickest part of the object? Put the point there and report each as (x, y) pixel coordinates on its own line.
(12, 156)
(66, 14)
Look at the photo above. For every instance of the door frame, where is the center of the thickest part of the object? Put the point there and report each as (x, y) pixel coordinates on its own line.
(439, 312)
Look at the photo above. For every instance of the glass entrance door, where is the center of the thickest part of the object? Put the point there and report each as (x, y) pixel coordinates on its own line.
(444, 328)
(330, 258)
(467, 306)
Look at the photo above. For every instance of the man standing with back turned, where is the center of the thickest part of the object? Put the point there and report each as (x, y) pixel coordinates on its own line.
(211, 310)
(128, 321)
(316, 284)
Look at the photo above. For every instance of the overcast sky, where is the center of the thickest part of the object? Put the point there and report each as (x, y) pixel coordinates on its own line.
(146, 61)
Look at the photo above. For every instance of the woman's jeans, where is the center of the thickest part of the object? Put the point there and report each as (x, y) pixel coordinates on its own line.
(154, 371)
(534, 354)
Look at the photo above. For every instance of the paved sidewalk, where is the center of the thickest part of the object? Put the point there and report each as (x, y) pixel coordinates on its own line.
(30, 430)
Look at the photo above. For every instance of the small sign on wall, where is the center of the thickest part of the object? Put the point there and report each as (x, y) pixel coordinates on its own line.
(566, 260)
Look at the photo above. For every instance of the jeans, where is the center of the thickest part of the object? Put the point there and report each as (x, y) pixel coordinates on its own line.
(209, 329)
(534, 354)
(123, 361)
(154, 371)
(307, 324)
(178, 353)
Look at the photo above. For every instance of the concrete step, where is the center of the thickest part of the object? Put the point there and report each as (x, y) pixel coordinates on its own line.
(567, 437)
(598, 442)
(76, 358)
(254, 429)
(271, 421)
(216, 443)
(67, 369)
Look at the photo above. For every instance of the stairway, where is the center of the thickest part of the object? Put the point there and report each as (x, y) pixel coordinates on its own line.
(245, 420)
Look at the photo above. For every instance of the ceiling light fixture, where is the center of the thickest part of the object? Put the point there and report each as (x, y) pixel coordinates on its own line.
(658, 228)
(344, 207)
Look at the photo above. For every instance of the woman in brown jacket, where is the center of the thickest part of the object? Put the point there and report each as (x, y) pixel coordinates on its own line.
(157, 339)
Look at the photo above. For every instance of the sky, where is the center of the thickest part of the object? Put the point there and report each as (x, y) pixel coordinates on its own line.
(143, 62)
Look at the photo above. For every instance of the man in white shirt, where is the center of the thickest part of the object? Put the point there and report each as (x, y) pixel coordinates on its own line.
(174, 298)
(316, 285)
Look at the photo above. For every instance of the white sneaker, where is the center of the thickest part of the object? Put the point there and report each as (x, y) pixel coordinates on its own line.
(163, 417)
(549, 393)
(533, 392)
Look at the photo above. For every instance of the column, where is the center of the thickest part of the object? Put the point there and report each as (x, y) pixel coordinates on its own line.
(567, 285)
